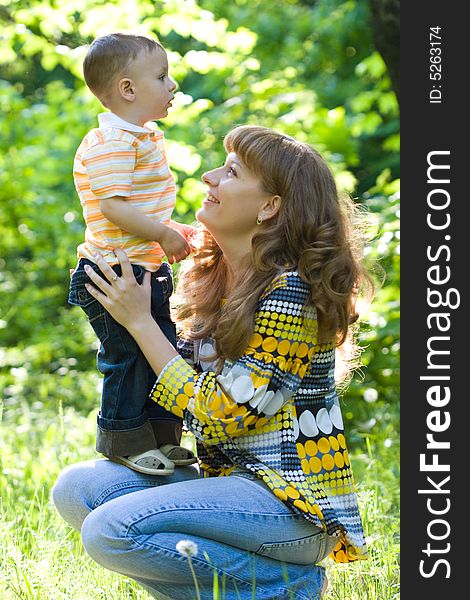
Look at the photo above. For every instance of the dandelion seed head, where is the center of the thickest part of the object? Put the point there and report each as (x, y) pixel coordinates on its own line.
(370, 395)
(187, 548)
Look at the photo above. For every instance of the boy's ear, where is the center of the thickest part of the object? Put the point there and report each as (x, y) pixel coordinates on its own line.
(126, 89)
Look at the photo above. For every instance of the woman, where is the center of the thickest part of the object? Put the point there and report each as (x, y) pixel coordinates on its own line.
(267, 297)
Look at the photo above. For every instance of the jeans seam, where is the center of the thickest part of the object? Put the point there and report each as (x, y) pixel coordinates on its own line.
(121, 380)
(213, 508)
(118, 486)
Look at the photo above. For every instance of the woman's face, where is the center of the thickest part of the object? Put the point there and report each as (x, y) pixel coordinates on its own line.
(234, 200)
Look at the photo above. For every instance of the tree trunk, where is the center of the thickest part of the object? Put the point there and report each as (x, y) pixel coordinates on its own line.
(386, 33)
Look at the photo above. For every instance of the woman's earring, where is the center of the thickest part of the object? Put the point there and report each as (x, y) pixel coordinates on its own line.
(259, 220)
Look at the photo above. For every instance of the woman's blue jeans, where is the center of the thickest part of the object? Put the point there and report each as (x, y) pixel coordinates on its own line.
(130, 523)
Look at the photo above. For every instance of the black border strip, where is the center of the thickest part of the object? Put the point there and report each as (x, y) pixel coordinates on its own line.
(435, 251)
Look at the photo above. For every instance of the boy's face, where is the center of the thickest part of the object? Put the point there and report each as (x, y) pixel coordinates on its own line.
(152, 84)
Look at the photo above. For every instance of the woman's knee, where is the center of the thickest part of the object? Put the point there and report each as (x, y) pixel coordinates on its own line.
(107, 539)
(69, 497)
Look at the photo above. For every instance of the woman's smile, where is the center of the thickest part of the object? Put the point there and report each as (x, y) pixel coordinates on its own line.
(210, 199)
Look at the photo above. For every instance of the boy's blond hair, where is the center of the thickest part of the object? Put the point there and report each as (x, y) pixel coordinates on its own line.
(108, 57)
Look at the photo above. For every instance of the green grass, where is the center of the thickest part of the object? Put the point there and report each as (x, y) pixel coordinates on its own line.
(41, 558)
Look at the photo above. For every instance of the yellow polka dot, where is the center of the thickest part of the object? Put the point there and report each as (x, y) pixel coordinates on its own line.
(182, 400)
(323, 445)
(256, 340)
(339, 460)
(340, 556)
(218, 414)
(239, 412)
(311, 448)
(302, 350)
(292, 492)
(215, 404)
(346, 458)
(300, 504)
(317, 510)
(177, 411)
(300, 450)
(250, 419)
(293, 348)
(280, 494)
(199, 414)
(283, 347)
(232, 427)
(328, 462)
(228, 409)
(315, 464)
(305, 466)
(334, 442)
(269, 344)
(189, 388)
(342, 441)
(261, 422)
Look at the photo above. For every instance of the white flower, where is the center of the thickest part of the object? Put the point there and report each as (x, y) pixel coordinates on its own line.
(370, 395)
(187, 548)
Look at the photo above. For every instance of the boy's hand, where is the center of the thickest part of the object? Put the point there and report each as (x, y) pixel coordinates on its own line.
(187, 231)
(174, 245)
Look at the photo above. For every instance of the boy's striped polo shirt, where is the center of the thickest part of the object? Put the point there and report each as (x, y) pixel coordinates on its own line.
(122, 159)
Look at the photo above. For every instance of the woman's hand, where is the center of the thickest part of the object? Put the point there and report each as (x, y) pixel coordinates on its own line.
(127, 301)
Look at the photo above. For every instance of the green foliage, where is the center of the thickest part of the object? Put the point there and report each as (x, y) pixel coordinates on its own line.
(308, 69)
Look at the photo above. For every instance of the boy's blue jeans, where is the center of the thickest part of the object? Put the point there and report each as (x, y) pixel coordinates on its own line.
(254, 543)
(128, 421)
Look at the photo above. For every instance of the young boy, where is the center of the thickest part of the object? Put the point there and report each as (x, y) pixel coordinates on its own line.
(127, 194)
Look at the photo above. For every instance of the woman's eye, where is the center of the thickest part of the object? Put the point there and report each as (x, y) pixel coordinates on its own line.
(232, 171)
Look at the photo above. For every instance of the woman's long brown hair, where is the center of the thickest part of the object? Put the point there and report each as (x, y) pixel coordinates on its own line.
(315, 232)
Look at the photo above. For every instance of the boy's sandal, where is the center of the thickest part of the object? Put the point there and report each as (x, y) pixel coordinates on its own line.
(151, 462)
(179, 455)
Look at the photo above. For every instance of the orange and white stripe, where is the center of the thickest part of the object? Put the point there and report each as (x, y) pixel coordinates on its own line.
(122, 159)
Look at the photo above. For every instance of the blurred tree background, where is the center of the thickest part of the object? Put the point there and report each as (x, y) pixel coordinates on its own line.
(323, 71)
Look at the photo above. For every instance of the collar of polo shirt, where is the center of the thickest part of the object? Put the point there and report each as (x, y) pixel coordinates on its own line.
(109, 119)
